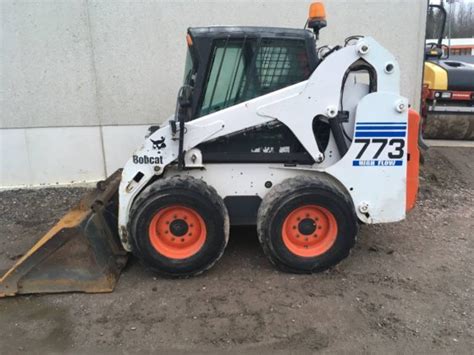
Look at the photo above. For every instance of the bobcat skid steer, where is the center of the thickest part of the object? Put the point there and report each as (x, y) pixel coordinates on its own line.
(305, 144)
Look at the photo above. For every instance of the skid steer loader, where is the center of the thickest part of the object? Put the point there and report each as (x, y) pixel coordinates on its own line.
(304, 143)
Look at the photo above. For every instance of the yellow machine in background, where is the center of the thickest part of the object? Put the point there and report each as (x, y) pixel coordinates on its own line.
(448, 93)
(435, 77)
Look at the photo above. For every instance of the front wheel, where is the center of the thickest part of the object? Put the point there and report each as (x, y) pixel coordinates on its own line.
(179, 226)
(306, 224)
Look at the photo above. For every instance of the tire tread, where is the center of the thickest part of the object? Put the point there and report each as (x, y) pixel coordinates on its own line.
(285, 188)
(181, 182)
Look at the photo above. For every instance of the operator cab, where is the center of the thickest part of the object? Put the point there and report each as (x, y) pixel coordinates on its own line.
(228, 65)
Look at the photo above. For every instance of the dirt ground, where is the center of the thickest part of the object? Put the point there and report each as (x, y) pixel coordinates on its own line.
(407, 287)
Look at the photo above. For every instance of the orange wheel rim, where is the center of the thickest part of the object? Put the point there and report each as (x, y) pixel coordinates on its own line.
(309, 231)
(177, 232)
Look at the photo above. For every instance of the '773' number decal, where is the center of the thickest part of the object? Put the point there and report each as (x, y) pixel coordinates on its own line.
(396, 145)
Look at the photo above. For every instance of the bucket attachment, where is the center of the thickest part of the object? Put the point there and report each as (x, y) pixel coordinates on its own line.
(81, 253)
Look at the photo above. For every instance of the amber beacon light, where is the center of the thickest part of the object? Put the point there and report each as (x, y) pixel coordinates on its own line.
(317, 11)
(317, 17)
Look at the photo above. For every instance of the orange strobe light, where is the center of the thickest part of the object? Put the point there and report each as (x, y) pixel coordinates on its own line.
(317, 11)
(317, 17)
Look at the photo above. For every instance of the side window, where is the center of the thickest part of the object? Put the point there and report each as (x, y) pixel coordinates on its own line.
(241, 70)
(188, 68)
(281, 63)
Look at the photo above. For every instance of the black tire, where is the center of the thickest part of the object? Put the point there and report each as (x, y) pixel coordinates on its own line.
(291, 195)
(192, 194)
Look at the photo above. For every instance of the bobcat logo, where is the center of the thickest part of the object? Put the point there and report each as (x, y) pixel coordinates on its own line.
(159, 144)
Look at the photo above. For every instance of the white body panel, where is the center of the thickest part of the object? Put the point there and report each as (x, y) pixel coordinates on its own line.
(377, 185)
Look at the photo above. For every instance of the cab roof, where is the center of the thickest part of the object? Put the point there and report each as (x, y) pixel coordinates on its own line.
(214, 32)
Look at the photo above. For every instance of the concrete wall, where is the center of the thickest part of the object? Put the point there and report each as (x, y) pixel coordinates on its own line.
(81, 80)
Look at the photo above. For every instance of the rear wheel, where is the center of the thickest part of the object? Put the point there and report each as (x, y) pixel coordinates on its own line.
(179, 226)
(306, 224)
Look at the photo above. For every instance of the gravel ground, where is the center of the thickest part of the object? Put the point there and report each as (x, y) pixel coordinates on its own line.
(407, 287)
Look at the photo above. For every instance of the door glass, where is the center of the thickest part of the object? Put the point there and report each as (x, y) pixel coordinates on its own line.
(225, 77)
